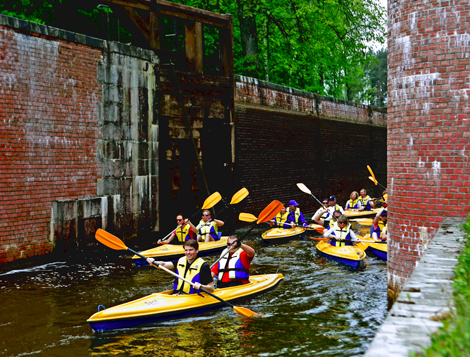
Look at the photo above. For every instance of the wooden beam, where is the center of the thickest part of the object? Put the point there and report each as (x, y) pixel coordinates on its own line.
(194, 40)
(154, 31)
(176, 10)
(140, 22)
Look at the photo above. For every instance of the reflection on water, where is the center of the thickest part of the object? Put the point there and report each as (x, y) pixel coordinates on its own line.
(321, 308)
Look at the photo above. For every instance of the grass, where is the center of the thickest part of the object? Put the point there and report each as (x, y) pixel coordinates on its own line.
(453, 339)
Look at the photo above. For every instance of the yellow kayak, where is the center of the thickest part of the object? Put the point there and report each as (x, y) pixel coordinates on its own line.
(163, 305)
(378, 250)
(282, 235)
(168, 252)
(361, 214)
(350, 255)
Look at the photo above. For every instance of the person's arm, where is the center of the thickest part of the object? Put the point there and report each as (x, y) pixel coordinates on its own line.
(207, 282)
(353, 235)
(328, 233)
(250, 252)
(377, 217)
(317, 216)
(302, 220)
(359, 205)
(168, 265)
(219, 222)
(167, 241)
(193, 228)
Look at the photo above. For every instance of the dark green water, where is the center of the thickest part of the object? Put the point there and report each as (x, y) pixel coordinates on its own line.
(320, 309)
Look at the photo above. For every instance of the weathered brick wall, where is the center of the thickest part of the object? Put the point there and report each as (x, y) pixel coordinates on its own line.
(76, 122)
(285, 136)
(48, 108)
(428, 126)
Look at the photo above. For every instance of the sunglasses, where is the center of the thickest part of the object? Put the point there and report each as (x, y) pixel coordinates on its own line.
(341, 222)
(178, 220)
(205, 214)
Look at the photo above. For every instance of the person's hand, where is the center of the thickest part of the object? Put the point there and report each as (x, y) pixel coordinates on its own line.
(237, 243)
(197, 286)
(150, 260)
(159, 241)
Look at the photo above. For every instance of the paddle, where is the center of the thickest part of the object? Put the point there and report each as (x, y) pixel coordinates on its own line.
(375, 181)
(305, 189)
(363, 221)
(371, 241)
(210, 201)
(239, 196)
(266, 215)
(114, 242)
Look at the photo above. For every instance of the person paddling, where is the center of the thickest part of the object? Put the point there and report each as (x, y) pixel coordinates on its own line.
(295, 216)
(367, 202)
(378, 230)
(183, 232)
(234, 268)
(354, 203)
(190, 267)
(340, 233)
(281, 219)
(208, 228)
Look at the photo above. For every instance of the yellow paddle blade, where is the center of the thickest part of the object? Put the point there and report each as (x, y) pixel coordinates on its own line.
(239, 196)
(304, 188)
(244, 311)
(109, 240)
(270, 211)
(373, 180)
(247, 217)
(212, 200)
(371, 172)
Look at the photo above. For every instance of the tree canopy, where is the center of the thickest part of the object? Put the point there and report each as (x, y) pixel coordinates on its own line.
(321, 46)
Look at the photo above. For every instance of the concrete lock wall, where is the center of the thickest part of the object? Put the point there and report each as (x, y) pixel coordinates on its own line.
(428, 126)
(81, 143)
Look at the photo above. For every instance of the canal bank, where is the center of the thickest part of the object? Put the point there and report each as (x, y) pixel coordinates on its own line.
(425, 299)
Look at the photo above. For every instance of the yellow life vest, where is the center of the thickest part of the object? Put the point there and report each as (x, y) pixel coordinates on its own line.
(282, 218)
(296, 214)
(205, 227)
(352, 203)
(341, 233)
(192, 275)
(182, 233)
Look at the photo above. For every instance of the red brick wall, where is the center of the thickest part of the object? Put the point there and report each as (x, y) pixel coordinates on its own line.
(49, 97)
(285, 136)
(428, 125)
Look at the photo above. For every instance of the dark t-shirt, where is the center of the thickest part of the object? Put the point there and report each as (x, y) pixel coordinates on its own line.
(205, 274)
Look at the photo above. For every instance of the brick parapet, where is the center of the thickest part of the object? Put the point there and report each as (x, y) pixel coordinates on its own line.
(428, 125)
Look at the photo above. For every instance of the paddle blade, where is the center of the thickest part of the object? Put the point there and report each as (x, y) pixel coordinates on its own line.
(270, 211)
(109, 240)
(244, 311)
(239, 196)
(212, 200)
(373, 180)
(304, 188)
(371, 172)
(247, 217)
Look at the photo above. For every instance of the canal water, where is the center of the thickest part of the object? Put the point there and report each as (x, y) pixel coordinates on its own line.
(320, 309)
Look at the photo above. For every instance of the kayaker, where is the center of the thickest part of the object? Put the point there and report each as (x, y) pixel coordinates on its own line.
(354, 203)
(325, 222)
(333, 206)
(234, 268)
(190, 267)
(183, 232)
(295, 216)
(281, 219)
(378, 230)
(324, 214)
(367, 202)
(340, 233)
(207, 228)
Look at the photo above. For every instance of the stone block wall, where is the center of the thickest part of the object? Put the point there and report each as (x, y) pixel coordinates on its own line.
(428, 126)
